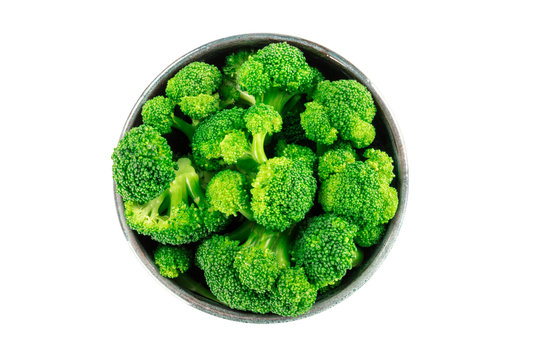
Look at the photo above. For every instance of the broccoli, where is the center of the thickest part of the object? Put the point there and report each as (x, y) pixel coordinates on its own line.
(228, 193)
(158, 112)
(326, 249)
(336, 159)
(261, 257)
(362, 193)
(290, 295)
(271, 140)
(194, 89)
(172, 260)
(340, 109)
(223, 138)
(282, 193)
(143, 165)
(275, 74)
(180, 214)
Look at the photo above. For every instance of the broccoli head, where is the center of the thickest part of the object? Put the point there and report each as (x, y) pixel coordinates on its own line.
(326, 249)
(194, 88)
(172, 260)
(228, 193)
(143, 165)
(180, 214)
(362, 193)
(282, 193)
(336, 159)
(158, 112)
(340, 109)
(276, 73)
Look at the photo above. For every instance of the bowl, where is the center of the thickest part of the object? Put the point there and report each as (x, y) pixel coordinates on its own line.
(388, 138)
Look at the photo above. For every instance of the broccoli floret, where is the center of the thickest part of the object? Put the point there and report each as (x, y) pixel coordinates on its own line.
(293, 295)
(303, 154)
(143, 165)
(223, 138)
(362, 193)
(282, 193)
(158, 112)
(180, 214)
(260, 259)
(230, 91)
(172, 260)
(290, 295)
(194, 89)
(336, 159)
(275, 74)
(228, 193)
(207, 153)
(344, 109)
(326, 249)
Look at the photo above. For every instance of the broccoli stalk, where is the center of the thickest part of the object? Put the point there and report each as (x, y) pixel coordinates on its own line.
(158, 112)
(178, 215)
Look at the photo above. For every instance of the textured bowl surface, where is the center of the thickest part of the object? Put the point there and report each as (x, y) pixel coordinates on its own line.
(388, 138)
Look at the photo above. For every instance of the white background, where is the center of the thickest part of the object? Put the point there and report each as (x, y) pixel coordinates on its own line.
(462, 280)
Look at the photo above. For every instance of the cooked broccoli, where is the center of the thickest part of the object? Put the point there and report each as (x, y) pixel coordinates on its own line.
(261, 128)
(275, 74)
(143, 165)
(172, 260)
(282, 193)
(261, 257)
(194, 89)
(228, 192)
(326, 249)
(158, 112)
(336, 159)
(180, 214)
(362, 193)
(290, 295)
(223, 138)
(342, 108)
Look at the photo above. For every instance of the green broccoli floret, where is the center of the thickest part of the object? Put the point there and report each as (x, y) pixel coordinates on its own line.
(344, 109)
(362, 193)
(336, 159)
(230, 91)
(143, 165)
(228, 193)
(290, 295)
(158, 112)
(260, 259)
(275, 74)
(305, 155)
(207, 152)
(282, 193)
(223, 138)
(172, 260)
(180, 214)
(326, 249)
(194, 89)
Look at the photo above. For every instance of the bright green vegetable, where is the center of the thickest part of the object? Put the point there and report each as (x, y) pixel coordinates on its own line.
(180, 214)
(342, 108)
(172, 260)
(142, 165)
(326, 249)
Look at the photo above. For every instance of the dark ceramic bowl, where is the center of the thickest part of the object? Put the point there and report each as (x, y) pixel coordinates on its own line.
(388, 138)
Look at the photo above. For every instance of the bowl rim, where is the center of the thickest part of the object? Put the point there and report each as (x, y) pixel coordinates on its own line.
(401, 166)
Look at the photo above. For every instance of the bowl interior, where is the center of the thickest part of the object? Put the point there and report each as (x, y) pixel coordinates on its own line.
(388, 139)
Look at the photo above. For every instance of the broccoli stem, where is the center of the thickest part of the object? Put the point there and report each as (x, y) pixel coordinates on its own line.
(257, 148)
(242, 232)
(276, 242)
(195, 190)
(183, 126)
(358, 257)
(245, 97)
(276, 98)
(248, 214)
